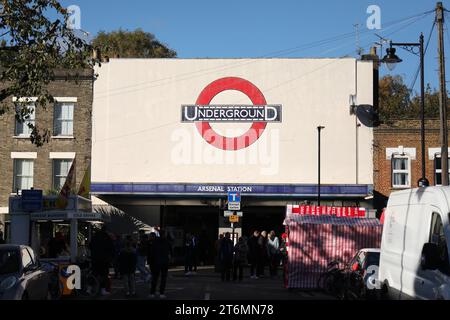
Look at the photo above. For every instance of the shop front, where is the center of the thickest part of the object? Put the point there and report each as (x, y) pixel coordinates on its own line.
(53, 233)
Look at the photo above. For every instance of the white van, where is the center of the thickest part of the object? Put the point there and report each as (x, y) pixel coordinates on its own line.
(414, 260)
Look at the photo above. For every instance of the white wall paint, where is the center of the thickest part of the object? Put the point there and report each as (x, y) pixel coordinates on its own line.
(137, 111)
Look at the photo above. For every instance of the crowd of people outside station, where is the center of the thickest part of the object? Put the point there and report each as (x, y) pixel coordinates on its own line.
(259, 251)
(149, 256)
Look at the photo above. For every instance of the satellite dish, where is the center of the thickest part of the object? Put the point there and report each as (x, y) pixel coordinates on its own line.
(367, 115)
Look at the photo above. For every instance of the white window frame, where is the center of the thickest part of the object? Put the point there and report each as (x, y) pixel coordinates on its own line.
(24, 125)
(57, 123)
(70, 160)
(436, 171)
(15, 176)
(407, 171)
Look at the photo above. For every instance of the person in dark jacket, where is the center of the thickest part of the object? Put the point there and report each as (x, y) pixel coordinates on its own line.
(240, 259)
(160, 252)
(127, 268)
(118, 247)
(188, 255)
(226, 257)
(57, 245)
(141, 251)
(217, 248)
(253, 253)
(2, 241)
(263, 256)
(195, 253)
(102, 252)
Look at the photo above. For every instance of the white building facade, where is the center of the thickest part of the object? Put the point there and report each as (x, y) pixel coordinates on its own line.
(171, 135)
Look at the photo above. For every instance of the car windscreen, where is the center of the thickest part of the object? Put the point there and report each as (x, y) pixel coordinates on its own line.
(372, 259)
(9, 261)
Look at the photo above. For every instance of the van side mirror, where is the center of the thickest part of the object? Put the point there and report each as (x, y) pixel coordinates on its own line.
(430, 259)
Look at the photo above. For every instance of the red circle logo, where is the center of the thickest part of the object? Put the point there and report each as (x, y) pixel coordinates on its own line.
(231, 143)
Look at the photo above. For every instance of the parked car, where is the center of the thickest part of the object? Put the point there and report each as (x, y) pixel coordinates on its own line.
(21, 275)
(362, 274)
(414, 260)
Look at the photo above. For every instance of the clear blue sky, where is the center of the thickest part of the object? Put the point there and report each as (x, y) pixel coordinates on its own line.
(256, 28)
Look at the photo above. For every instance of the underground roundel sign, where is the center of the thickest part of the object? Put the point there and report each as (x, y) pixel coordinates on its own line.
(202, 113)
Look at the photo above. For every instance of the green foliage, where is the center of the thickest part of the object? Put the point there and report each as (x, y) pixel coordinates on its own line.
(52, 192)
(397, 102)
(131, 44)
(35, 42)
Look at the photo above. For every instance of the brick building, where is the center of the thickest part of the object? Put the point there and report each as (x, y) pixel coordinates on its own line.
(397, 157)
(24, 165)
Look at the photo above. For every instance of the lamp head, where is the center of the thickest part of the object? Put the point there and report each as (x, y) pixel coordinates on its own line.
(391, 59)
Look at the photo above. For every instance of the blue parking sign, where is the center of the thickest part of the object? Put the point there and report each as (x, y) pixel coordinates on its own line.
(234, 197)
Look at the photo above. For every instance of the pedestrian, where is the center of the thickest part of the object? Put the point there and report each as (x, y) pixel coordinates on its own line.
(142, 250)
(240, 259)
(203, 247)
(127, 262)
(102, 251)
(151, 240)
(284, 254)
(273, 251)
(262, 256)
(2, 241)
(118, 246)
(195, 253)
(188, 255)
(57, 246)
(217, 248)
(160, 252)
(226, 257)
(253, 253)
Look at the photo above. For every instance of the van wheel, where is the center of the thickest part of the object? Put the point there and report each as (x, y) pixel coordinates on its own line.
(383, 293)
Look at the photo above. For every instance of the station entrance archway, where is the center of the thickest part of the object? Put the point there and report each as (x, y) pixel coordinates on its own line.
(201, 221)
(263, 218)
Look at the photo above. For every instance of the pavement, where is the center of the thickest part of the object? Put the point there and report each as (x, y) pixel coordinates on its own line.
(207, 285)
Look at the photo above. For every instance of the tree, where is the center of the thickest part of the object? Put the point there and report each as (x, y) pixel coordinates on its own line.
(131, 44)
(394, 98)
(397, 102)
(431, 103)
(35, 42)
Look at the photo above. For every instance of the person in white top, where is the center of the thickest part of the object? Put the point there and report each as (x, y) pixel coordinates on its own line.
(273, 251)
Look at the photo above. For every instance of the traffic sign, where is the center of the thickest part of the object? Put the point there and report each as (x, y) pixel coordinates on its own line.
(228, 213)
(234, 197)
(32, 200)
(234, 218)
(239, 213)
(234, 206)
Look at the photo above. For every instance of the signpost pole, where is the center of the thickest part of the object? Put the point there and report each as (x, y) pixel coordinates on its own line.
(73, 239)
(232, 227)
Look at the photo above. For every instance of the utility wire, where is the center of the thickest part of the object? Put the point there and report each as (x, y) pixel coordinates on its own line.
(446, 27)
(413, 83)
(273, 54)
(190, 76)
(265, 90)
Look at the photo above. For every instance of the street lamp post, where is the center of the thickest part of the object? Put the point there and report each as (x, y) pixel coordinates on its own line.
(319, 128)
(391, 59)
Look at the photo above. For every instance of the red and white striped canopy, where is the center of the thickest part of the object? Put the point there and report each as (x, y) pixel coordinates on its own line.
(352, 212)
